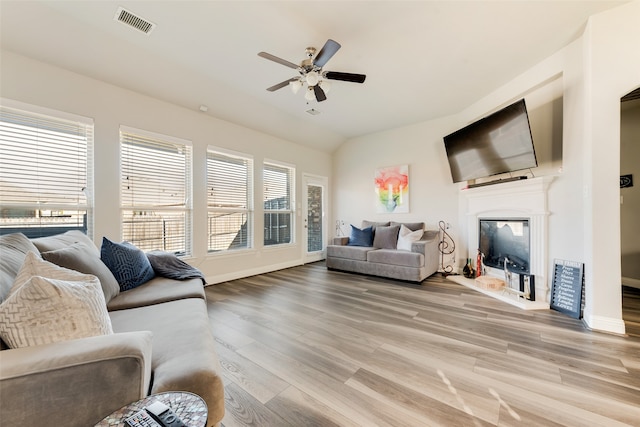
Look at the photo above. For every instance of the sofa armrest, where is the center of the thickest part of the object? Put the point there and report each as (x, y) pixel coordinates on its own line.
(74, 383)
(425, 241)
(428, 246)
(341, 241)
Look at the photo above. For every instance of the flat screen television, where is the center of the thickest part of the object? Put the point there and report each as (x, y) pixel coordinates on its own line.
(498, 143)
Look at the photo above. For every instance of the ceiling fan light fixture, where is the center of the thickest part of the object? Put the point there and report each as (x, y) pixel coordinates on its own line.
(309, 94)
(325, 85)
(295, 86)
(312, 78)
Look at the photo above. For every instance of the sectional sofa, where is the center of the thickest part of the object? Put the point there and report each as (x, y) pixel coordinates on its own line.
(403, 251)
(152, 338)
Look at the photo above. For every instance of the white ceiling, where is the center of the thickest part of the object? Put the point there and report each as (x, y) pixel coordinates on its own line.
(423, 59)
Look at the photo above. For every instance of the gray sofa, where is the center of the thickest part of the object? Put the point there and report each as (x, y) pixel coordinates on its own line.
(162, 341)
(383, 259)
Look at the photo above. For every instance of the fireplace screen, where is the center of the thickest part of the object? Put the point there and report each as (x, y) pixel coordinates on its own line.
(508, 239)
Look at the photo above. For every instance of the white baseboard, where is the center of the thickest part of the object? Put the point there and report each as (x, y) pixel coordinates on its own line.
(212, 280)
(605, 324)
(629, 281)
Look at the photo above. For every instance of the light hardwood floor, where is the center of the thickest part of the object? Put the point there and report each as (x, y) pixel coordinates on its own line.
(631, 310)
(311, 347)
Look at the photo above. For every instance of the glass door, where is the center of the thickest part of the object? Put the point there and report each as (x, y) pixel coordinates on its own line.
(314, 218)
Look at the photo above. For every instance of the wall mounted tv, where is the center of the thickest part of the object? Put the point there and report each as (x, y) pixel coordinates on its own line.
(498, 143)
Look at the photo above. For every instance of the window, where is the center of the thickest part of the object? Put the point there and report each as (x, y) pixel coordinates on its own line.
(45, 171)
(229, 201)
(155, 192)
(278, 193)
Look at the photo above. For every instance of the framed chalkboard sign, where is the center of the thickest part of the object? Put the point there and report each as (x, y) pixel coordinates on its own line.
(567, 287)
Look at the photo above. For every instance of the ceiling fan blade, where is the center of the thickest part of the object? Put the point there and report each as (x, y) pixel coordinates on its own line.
(346, 77)
(281, 84)
(320, 95)
(273, 58)
(328, 50)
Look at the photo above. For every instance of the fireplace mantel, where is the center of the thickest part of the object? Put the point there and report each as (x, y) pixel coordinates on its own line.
(510, 200)
(526, 195)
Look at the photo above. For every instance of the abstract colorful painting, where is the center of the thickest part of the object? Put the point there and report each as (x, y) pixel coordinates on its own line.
(392, 189)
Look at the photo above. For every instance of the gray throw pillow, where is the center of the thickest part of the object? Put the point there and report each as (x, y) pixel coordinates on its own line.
(386, 237)
(82, 258)
(13, 250)
(59, 241)
(413, 226)
(374, 225)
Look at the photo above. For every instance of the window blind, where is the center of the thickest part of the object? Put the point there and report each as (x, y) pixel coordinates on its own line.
(155, 191)
(229, 201)
(45, 172)
(278, 203)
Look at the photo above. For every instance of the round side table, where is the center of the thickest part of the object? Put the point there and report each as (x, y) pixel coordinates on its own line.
(189, 407)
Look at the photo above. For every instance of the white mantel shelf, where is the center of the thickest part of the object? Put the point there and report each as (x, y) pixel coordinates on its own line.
(505, 191)
(501, 295)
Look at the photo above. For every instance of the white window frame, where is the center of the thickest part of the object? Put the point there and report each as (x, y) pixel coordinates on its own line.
(226, 208)
(53, 212)
(290, 210)
(130, 208)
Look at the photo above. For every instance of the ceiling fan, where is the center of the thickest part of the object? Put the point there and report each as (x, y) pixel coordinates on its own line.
(312, 74)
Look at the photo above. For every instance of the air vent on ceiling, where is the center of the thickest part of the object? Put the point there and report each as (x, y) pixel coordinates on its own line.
(134, 21)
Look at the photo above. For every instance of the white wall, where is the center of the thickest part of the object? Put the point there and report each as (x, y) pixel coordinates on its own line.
(37, 83)
(612, 69)
(584, 223)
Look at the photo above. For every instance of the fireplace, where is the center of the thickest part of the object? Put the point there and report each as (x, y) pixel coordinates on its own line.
(504, 243)
(521, 202)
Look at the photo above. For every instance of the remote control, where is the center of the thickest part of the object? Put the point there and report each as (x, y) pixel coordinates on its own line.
(141, 419)
(164, 415)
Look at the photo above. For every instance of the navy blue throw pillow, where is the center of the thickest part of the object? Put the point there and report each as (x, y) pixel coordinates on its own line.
(360, 237)
(129, 265)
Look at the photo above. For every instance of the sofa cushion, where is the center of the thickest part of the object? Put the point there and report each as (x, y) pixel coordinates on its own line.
(129, 265)
(59, 241)
(358, 253)
(184, 355)
(406, 237)
(374, 225)
(80, 257)
(395, 257)
(49, 303)
(13, 250)
(386, 237)
(361, 237)
(413, 226)
(156, 291)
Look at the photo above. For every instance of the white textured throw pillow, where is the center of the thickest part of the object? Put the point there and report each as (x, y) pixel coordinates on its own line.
(48, 304)
(406, 237)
